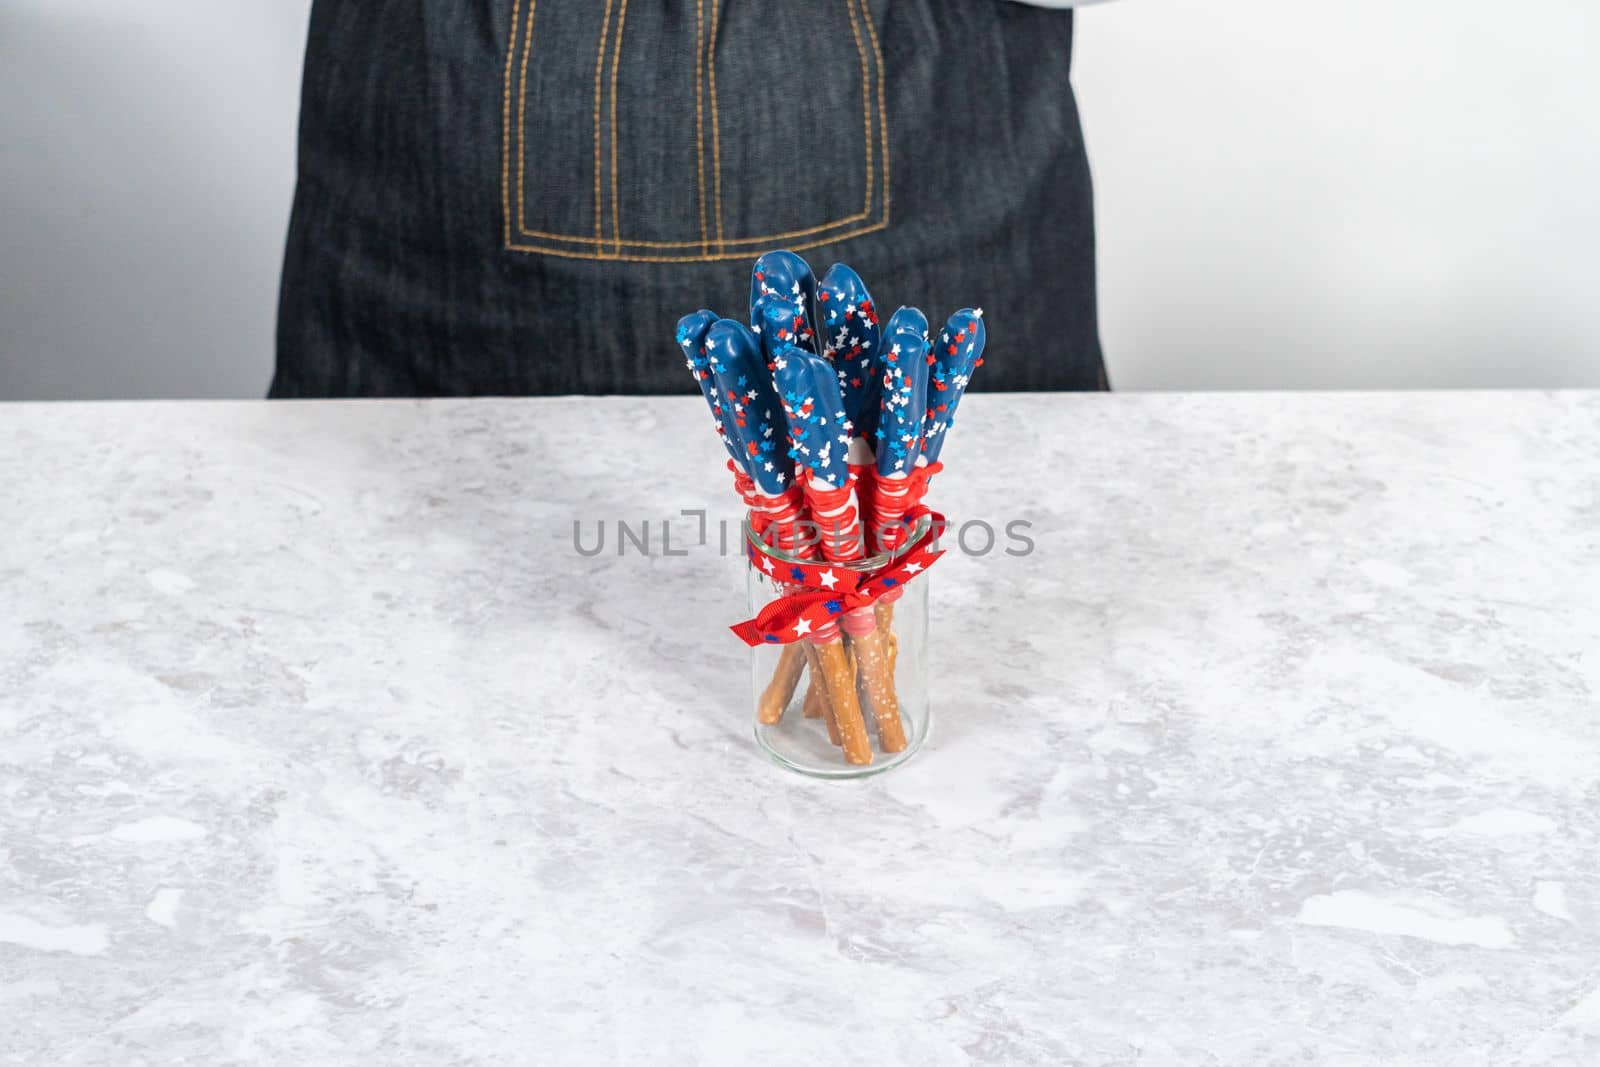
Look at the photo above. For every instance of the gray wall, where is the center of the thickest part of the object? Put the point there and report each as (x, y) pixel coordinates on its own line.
(1290, 195)
(1370, 193)
(146, 167)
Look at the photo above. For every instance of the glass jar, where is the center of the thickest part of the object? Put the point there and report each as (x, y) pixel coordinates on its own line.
(877, 656)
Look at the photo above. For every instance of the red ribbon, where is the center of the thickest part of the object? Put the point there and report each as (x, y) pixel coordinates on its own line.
(825, 591)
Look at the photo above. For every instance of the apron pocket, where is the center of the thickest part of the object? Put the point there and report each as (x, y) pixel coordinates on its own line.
(691, 130)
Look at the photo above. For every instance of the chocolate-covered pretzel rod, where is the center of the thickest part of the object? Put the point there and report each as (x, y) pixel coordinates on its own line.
(784, 278)
(781, 292)
(851, 338)
(818, 439)
(957, 352)
(740, 373)
(900, 415)
(691, 338)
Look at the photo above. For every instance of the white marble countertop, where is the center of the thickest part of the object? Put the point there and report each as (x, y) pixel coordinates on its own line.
(320, 744)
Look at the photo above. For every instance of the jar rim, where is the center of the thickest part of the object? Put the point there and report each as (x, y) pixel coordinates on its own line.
(867, 564)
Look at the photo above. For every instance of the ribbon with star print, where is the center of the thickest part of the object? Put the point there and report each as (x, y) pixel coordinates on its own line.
(823, 592)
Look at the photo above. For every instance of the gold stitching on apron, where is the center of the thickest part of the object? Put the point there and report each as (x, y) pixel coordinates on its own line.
(699, 127)
(598, 238)
(866, 116)
(716, 125)
(505, 123)
(764, 239)
(522, 113)
(616, 62)
(599, 62)
(608, 257)
(883, 121)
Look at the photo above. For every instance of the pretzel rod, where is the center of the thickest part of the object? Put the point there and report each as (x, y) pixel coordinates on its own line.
(827, 709)
(956, 354)
(852, 338)
(953, 358)
(841, 707)
(725, 358)
(816, 704)
(782, 517)
(774, 700)
(902, 407)
(819, 439)
(779, 692)
(784, 514)
(842, 542)
(865, 472)
(811, 707)
(891, 499)
(840, 676)
(883, 612)
(876, 675)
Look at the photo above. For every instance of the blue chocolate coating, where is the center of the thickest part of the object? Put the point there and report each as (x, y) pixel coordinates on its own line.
(691, 337)
(905, 360)
(785, 276)
(753, 415)
(851, 337)
(956, 353)
(818, 439)
(774, 318)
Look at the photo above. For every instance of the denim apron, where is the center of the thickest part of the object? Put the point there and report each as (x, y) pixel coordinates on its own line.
(523, 196)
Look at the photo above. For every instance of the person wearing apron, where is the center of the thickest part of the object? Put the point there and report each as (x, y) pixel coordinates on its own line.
(520, 197)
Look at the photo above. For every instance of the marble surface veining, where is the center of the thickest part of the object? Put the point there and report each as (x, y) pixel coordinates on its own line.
(320, 744)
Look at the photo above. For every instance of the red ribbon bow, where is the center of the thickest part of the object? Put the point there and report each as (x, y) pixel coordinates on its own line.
(825, 591)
